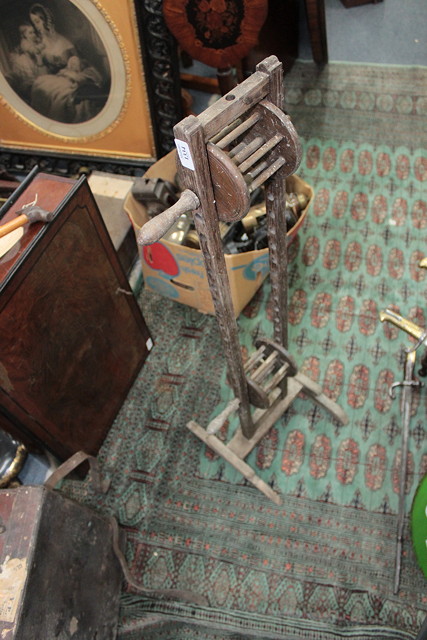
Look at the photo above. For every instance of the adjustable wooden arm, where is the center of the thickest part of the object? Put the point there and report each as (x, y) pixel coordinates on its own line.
(156, 228)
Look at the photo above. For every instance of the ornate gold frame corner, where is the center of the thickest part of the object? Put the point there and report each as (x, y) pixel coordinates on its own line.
(45, 114)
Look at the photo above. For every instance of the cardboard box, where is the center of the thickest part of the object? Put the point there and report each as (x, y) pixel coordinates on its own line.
(110, 191)
(178, 272)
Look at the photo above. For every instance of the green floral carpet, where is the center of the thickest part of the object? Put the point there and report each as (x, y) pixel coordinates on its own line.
(321, 566)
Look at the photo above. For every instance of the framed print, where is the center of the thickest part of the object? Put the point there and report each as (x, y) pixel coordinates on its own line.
(72, 80)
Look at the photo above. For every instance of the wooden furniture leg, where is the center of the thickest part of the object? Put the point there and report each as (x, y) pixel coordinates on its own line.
(316, 20)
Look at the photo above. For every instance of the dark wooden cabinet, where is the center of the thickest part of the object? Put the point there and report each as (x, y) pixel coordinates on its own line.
(72, 337)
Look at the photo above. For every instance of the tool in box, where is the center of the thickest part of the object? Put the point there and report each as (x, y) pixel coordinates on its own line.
(241, 142)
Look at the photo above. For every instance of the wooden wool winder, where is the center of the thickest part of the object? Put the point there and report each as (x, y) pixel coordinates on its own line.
(243, 141)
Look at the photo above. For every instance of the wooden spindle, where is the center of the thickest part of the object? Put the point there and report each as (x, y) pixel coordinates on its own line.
(252, 174)
(254, 359)
(262, 151)
(237, 132)
(221, 134)
(265, 368)
(235, 150)
(266, 174)
(277, 378)
(248, 150)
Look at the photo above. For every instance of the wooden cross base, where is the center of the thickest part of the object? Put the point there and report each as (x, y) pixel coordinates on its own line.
(239, 446)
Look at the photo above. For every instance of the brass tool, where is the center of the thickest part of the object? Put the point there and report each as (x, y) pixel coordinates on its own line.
(406, 325)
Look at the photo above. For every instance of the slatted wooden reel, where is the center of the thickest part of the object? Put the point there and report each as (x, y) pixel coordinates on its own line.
(242, 141)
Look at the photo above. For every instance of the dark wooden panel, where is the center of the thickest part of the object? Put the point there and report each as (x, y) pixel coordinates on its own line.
(72, 337)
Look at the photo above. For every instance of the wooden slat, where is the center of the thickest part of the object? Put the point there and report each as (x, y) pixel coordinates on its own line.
(257, 155)
(229, 107)
(315, 392)
(238, 131)
(264, 420)
(219, 447)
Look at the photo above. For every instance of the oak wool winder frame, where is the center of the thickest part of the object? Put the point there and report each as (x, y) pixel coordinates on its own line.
(243, 141)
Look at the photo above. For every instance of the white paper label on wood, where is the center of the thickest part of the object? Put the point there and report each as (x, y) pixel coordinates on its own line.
(184, 154)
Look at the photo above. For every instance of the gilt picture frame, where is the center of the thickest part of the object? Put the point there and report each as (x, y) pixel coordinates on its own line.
(76, 80)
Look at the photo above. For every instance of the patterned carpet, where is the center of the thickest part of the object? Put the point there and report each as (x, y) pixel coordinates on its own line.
(321, 566)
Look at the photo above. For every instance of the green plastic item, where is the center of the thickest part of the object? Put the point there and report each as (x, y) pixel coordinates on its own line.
(419, 524)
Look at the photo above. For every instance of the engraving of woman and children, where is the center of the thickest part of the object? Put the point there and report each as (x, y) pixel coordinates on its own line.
(48, 73)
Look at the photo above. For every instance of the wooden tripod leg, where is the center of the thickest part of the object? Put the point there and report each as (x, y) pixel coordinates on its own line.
(219, 447)
(315, 392)
(264, 420)
(190, 132)
(275, 196)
